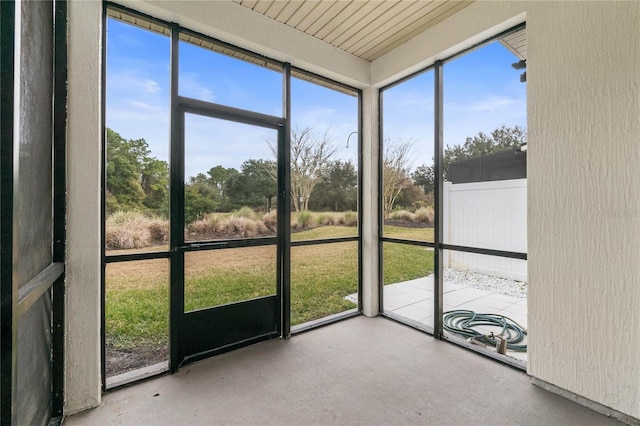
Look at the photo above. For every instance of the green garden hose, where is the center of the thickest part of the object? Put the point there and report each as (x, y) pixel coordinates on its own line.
(462, 322)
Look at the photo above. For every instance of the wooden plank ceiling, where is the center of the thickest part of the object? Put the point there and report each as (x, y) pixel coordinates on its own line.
(517, 43)
(365, 28)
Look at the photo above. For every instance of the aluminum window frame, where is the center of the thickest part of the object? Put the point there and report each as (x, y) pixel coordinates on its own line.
(438, 244)
(179, 33)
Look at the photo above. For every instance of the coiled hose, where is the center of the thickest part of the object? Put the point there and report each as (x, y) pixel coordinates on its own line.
(462, 322)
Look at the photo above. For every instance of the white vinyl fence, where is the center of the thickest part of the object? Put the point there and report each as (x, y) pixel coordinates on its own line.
(489, 215)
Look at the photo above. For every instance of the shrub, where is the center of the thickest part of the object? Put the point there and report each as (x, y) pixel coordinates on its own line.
(305, 219)
(328, 220)
(159, 230)
(246, 212)
(127, 230)
(350, 218)
(270, 221)
(402, 215)
(240, 225)
(209, 224)
(123, 238)
(424, 215)
(261, 228)
(245, 227)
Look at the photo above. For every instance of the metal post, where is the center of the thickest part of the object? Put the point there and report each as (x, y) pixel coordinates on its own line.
(438, 220)
(176, 217)
(284, 206)
(103, 213)
(380, 209)
(8, 292)
(59, 201)
(360, 199)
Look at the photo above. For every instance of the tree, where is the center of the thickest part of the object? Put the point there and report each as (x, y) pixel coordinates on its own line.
(424, 178)
(218, 177)
(396, 164)
(154, 180)
(254, 186)
(200, 198)
(500, 139)
(311, 153)
(196, 203)
(412, 197)
(337, 189)
(135, 179)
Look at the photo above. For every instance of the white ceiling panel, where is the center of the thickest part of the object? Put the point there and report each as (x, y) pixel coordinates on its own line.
(367, 29)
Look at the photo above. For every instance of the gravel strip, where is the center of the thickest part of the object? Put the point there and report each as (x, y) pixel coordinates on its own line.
(486, 282)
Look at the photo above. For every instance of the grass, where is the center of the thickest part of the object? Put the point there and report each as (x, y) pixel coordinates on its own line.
(137, 305)
(420, 234)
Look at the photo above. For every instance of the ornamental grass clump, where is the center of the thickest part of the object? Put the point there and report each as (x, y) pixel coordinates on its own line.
(246, 212)
(209, 224)
(270, 220)
(328, 219)
(424, 215)
(404, 215)
(127, 230)
(350, 218)
(159, 231)
(305, 220)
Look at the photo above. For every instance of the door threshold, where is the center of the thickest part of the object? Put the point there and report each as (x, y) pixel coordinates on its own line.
(136, 375)
(310, 325)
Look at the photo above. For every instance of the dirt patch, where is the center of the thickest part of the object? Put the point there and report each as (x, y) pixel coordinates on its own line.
(120, 361)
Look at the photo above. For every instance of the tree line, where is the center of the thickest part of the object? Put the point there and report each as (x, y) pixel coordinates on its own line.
(138, 181)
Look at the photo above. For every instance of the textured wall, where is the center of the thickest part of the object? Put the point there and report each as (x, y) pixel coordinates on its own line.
(82, 350)
(370, 252)
(584, 199)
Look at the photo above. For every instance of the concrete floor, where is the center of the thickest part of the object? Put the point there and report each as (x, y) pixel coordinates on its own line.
(358, 371)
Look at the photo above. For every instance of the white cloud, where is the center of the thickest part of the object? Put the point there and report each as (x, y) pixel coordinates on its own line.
(492, 104)
(130, 82)
(150, 86)
(210, 142)
(146, 107)
(190, 86)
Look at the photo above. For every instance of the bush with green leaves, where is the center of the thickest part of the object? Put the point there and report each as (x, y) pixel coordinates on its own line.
(305, 220)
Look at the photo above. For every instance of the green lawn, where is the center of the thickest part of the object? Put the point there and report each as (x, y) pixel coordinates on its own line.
(137, 305)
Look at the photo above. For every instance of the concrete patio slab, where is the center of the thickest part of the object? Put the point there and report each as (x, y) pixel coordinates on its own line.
(413, 300)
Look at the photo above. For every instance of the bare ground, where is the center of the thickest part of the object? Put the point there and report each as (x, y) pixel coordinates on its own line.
(120, 361)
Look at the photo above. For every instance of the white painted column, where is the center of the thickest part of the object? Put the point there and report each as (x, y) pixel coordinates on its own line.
(82, 313)
(370, 281)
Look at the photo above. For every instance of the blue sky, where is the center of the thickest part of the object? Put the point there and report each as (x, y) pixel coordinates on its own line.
(482, 92)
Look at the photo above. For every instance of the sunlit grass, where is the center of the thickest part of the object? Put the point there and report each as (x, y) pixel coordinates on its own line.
(137, 292)
(420, 234)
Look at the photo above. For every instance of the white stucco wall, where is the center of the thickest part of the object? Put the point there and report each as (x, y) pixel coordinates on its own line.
(82, 314)
(370, 290)
(583, 75)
